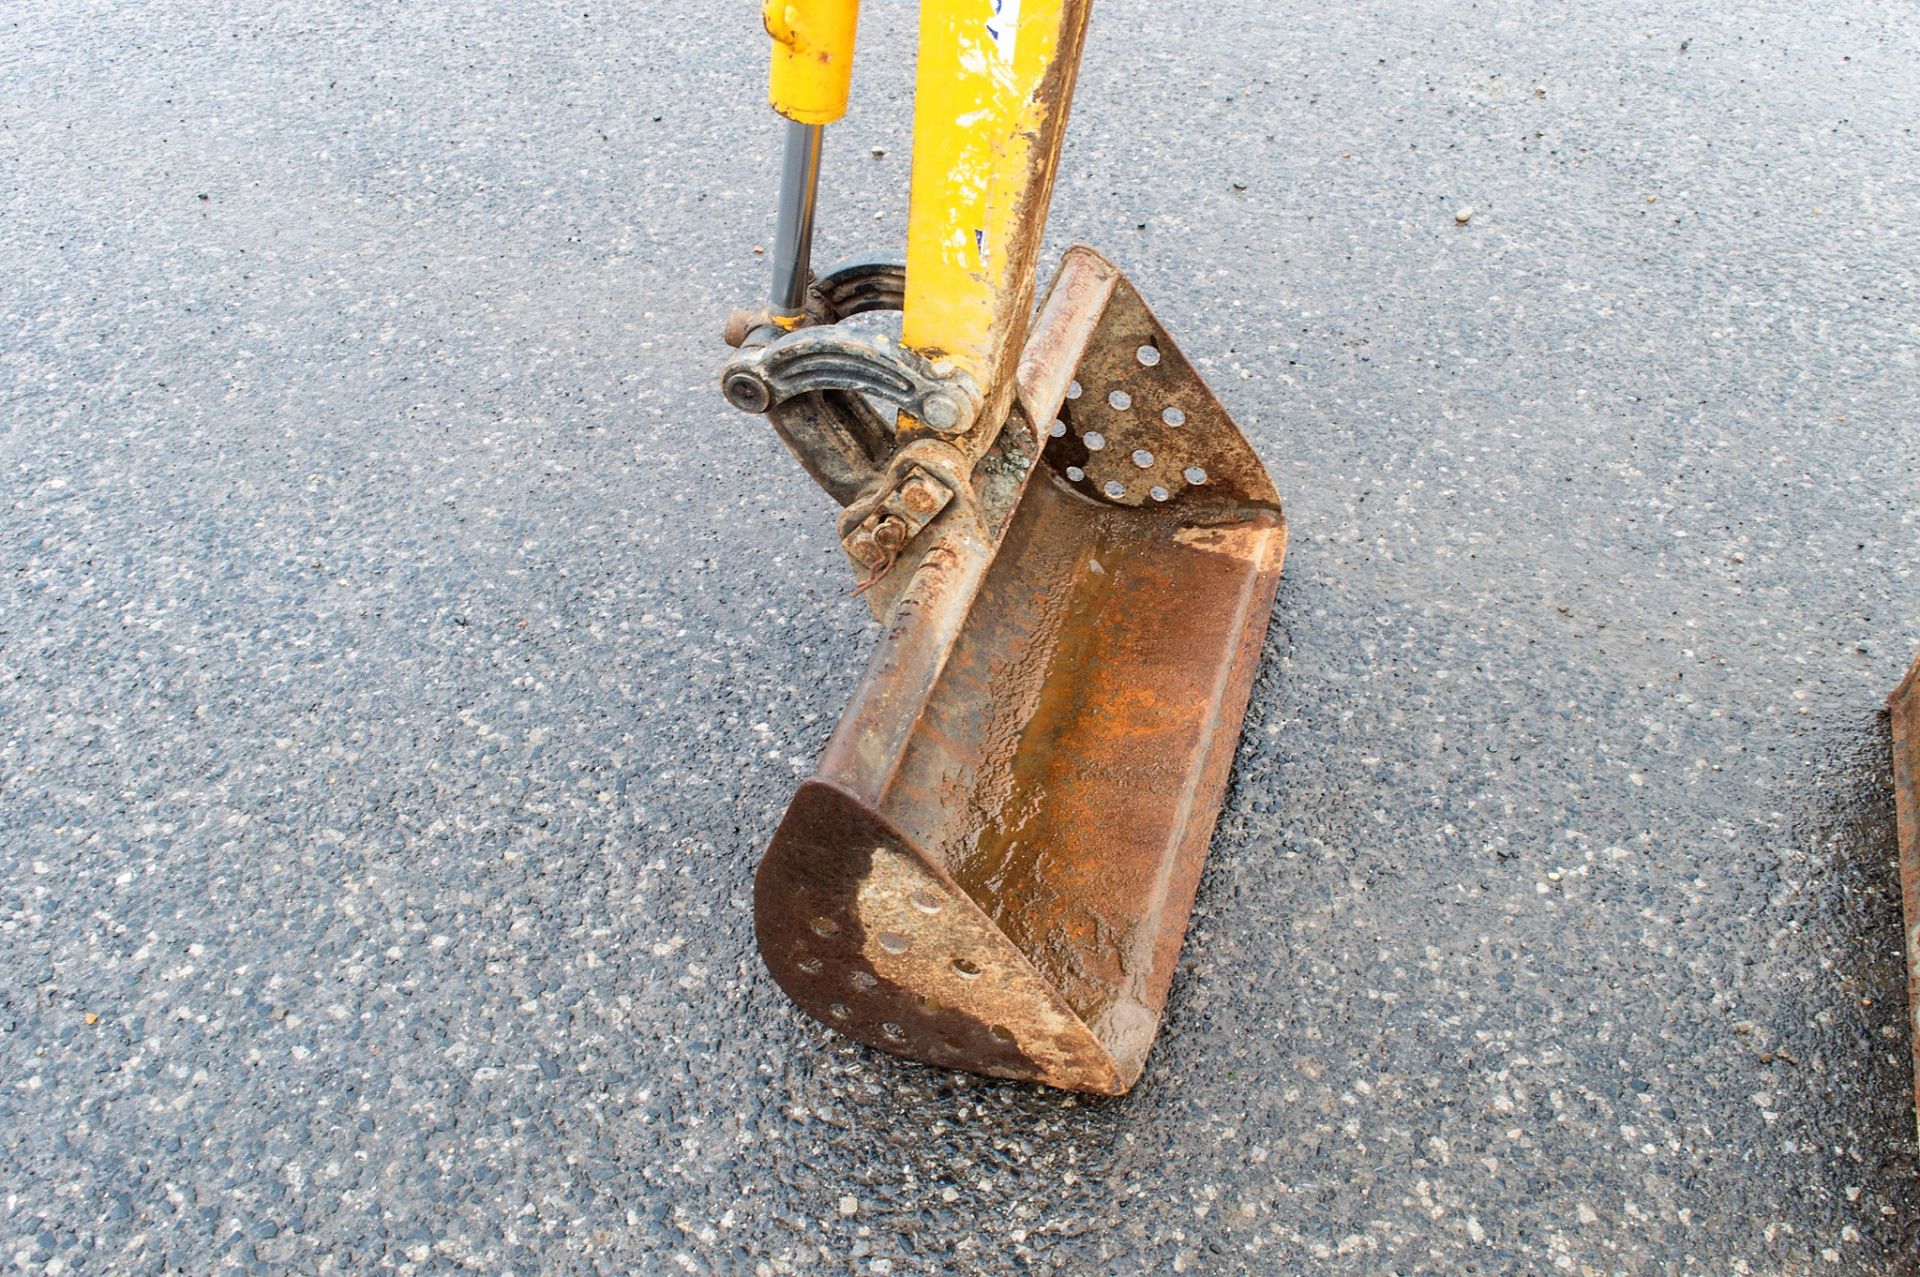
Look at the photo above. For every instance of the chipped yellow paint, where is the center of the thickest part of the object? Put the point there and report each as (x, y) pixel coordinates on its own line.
(812, 57)
(990, 99)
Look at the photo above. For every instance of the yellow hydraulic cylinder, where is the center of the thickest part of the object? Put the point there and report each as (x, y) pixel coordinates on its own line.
(812, 70)
(812, 57)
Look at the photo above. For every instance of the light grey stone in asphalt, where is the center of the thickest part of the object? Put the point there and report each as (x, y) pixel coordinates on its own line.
(404, 652)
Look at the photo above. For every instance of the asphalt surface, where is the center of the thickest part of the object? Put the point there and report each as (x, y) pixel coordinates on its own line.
(404, 652)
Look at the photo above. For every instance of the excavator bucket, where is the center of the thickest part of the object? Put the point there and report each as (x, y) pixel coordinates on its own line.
(1072, 551)
(993, 867)
(1904, 706)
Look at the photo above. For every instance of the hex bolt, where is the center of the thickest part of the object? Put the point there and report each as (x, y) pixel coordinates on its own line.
(890, 533)
(919, 497)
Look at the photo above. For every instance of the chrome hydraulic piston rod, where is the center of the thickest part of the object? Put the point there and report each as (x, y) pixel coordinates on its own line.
(793, 236)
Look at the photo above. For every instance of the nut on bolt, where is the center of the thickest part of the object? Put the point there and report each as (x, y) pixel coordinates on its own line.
(865, 550)
(890, 533)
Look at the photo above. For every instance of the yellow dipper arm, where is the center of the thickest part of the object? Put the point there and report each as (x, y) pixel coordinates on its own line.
(992, 88)
(812, 57)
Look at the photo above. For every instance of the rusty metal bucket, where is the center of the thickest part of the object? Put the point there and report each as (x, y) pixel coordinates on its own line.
(1904, 706)
(993, 865)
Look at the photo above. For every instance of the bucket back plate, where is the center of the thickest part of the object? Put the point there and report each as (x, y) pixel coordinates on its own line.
(993, 867)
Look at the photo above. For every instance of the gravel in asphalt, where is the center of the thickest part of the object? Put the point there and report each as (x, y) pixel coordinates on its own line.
(405, 653)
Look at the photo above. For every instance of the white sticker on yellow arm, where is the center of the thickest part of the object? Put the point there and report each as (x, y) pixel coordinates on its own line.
(1003, 28)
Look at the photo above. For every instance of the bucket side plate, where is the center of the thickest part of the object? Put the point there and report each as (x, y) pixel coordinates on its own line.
(869, 938)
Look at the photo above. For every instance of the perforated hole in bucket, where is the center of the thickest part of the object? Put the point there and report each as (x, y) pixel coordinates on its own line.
(926, 902)
(863, 981)
(838, 1010)
(1119, 400)
(1075, 473)
(894, 942)
(809, 966)
(999, 1033)
(966, 967)
(1173, 416)
(1058, 429)
(931, 1006)
(893, 1030)
(1115, 489)
(1142, 458)
(1073, 390)
(1094, 440)
(1147, 355)
(1195, 474)
(1157, 492)
(824, 926)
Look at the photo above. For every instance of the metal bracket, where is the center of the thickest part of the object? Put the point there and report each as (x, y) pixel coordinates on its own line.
(813, 384)
(897, 517)
(829, 357)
